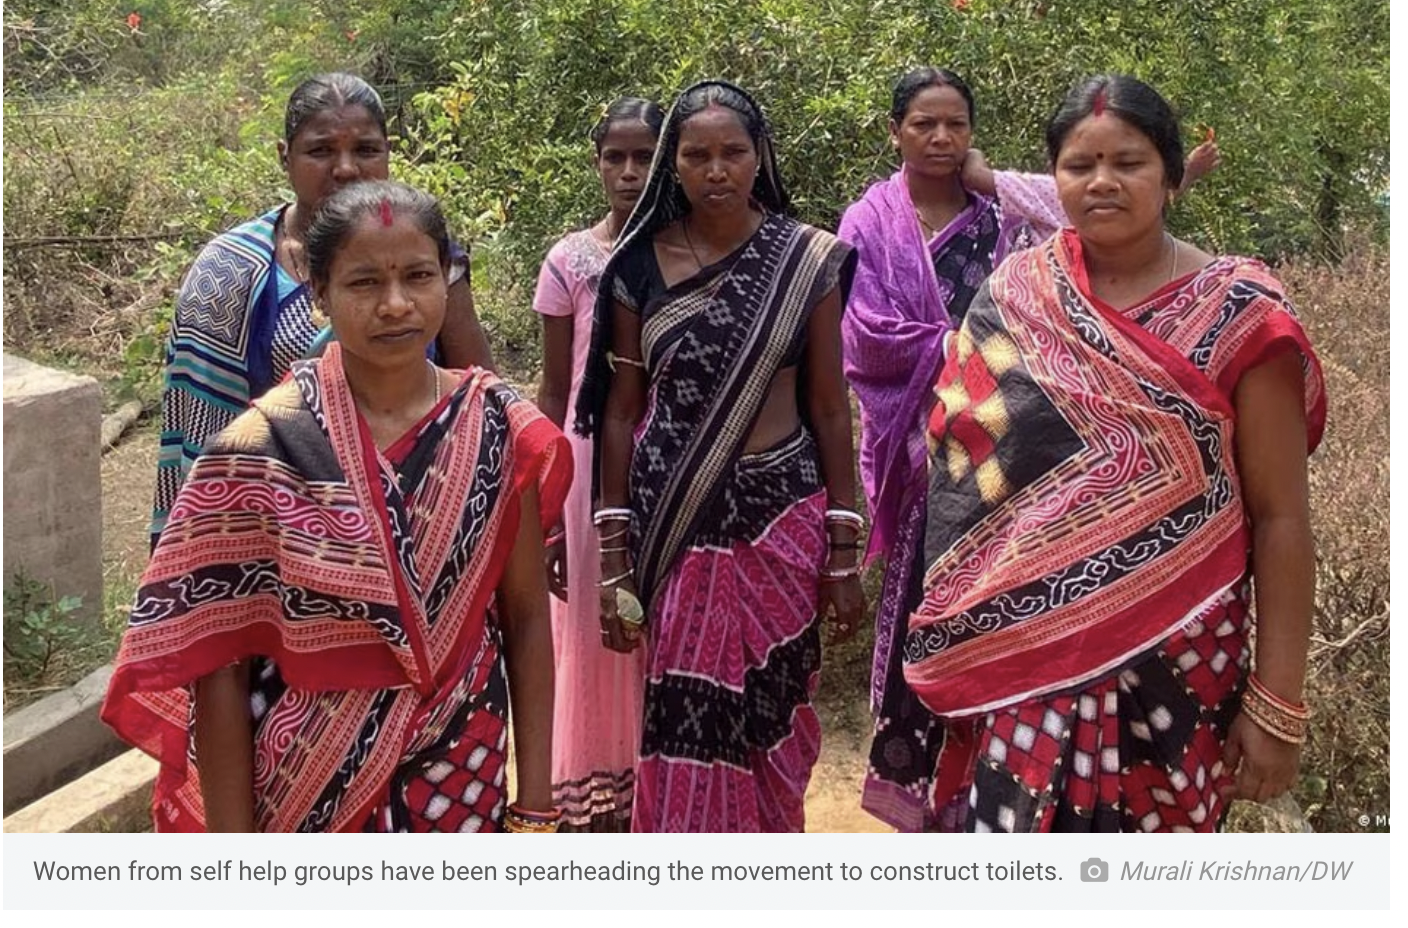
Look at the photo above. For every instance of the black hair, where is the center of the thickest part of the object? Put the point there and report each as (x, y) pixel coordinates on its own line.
(1131, 100)
(908, 87)
(628, 109)
(330, 91)
(767, 188)
(661, 203)
(341, 212)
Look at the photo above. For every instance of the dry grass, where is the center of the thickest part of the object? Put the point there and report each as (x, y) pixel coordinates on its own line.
(1345, 770)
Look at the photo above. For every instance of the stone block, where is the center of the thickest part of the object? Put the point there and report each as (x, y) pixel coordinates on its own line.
(53, 481)
(115, 797)
(52, 741)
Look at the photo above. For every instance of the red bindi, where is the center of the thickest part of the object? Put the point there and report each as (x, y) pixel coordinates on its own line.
(385, 212)
(1098, 108)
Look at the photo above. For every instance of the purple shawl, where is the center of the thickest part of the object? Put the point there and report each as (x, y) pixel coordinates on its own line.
(892, 341)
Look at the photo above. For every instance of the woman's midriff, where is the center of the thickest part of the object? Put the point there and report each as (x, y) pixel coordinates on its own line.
(778, 419)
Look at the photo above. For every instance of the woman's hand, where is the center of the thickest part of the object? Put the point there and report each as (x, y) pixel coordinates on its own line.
(845, 600)
(1201, 161)
(975, 174)
(617, 634)
(1263, 765)
(555, 562)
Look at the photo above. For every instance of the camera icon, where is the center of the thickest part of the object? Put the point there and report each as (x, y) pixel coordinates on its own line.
(1094, 870)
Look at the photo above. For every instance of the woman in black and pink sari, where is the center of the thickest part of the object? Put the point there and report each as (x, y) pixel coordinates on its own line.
(725, 489)
(1117, 454)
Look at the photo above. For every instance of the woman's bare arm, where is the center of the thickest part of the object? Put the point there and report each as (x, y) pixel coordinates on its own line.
(462, 338)
(556, 385)
(1271, 461)
(553, 392)
(625, 403)
(828, 403)
(523, 610)
(224, 734)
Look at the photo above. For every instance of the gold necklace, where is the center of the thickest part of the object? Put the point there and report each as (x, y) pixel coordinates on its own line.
(435, 374)
(1172, 257)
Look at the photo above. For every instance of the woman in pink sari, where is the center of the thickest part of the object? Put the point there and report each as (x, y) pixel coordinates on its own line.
(596, 729)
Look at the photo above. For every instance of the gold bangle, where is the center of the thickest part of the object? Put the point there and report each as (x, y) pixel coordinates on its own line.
(521, 821)
(1273, 719)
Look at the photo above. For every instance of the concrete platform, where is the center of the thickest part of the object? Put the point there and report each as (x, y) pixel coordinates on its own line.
(115, 797)
(50, 742)
(53, 482)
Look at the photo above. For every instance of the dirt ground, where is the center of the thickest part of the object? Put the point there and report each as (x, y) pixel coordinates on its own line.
(833, 800)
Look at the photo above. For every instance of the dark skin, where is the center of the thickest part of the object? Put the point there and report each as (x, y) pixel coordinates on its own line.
(933, 140)
(622, 161)
(1111, 182)
(386, 296)
(716, 162)
(340, 146)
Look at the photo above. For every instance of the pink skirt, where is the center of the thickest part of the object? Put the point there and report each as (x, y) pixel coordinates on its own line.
(597, 705)
(730, 735)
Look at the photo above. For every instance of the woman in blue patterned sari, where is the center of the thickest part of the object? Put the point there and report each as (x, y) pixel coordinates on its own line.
(245, 313)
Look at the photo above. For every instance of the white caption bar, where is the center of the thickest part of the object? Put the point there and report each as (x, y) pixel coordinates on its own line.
(697, 872)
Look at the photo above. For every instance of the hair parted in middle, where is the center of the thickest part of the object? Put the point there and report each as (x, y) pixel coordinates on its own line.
(383, 200)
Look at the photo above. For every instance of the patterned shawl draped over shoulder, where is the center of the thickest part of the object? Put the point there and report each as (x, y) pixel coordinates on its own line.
(893, 335)
(712, 346)
(294, 540)
(1084, 500)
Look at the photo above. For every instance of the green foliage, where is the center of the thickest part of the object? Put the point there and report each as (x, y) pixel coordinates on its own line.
(39, 627)
(1296, 91)
(172, 126)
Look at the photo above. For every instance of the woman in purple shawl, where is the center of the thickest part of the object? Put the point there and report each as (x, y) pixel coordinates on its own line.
(926, 242)
(927, 238)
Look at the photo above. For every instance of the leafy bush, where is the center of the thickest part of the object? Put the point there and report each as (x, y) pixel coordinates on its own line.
(41, 629)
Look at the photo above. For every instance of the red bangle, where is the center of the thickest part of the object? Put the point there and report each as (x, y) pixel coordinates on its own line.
(532, 816)
(1296, 710)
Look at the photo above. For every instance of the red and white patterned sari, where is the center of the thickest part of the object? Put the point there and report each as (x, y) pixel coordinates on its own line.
(361, 586)
(1084, 619)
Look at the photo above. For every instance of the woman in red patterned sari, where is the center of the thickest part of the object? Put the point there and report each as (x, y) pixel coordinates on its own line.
(1118, 452)
(350, 588)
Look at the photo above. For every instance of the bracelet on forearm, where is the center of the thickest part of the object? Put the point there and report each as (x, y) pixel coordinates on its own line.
(844, 516)
(839, 573)
(1283, 720)
(610, 515)
(612, 359)
(519, 820)
(616, 579)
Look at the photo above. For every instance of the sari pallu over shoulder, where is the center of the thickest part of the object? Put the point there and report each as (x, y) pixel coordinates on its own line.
(371, 591)
(892, 337)
(712, 346)
(1083, 499)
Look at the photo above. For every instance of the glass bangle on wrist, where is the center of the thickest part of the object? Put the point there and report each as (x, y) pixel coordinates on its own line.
(839, 573)
(519, 820)
(844, 517)
(1283, 720)
(608, 515)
